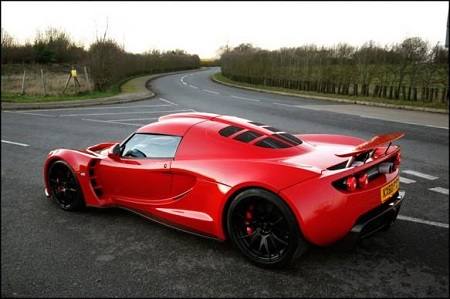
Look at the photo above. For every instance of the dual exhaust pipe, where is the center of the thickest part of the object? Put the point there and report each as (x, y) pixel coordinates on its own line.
(386, 167)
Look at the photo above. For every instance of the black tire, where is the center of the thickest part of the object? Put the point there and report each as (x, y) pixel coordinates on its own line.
(264, 229)
(64, 187)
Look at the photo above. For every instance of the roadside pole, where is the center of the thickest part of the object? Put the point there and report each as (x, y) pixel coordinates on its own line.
(86, 76)
(23, 83)
(67, 82)
(43, 82)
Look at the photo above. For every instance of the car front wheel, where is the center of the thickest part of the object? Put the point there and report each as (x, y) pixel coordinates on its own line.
(64, 187)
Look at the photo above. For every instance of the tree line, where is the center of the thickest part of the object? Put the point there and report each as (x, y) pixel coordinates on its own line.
(411, 70)
(107, 61)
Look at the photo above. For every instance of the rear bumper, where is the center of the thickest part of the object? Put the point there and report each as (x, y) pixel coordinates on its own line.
(374, 220)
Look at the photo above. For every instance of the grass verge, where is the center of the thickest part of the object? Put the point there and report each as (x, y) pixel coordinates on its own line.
(85, 95)
(437, 104)
(15, 98)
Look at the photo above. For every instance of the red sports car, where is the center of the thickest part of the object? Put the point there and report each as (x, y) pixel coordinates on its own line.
(225, 177)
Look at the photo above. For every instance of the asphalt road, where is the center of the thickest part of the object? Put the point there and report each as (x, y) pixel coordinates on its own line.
(49, 252)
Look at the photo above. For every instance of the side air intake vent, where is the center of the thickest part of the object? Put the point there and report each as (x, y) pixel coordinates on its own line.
(93, 179)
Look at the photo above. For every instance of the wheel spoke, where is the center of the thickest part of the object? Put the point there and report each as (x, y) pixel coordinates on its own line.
(266, 245)
(261, 243)
(274, 244)
(279, 240)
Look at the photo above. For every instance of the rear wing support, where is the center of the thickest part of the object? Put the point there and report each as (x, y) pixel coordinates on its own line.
(371, 145)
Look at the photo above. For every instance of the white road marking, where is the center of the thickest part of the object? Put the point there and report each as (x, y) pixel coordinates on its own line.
(28, 113)
(92, 108)
(113, 122)
(245, 99)
(287, 105)
(134, 112)
(420, 174)
(128, 119)
(15, 143)
(417, 220)
(169, 102)
(440, 190)
(406, 181)
(193, 86)
(210, 91)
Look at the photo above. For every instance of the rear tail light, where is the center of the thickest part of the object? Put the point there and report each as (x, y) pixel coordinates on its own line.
(350, 183)
(363, 181)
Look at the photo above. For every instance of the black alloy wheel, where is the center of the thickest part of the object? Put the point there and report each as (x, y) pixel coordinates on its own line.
(64, 187)
(264, 229)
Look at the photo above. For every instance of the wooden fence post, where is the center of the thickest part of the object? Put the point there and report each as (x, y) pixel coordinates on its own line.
(23, 83)
(87, 78)
(43, 82)
(67, 82)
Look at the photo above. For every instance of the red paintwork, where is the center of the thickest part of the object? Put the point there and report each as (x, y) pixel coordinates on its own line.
(192, 190)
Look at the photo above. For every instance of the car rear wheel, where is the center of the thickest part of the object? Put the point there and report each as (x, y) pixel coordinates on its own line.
(64, 187)
(264, 229)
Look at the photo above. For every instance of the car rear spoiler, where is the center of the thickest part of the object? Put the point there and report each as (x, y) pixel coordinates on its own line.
(371, 145)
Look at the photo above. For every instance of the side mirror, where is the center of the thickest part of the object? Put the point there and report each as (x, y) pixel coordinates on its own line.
(114, 153)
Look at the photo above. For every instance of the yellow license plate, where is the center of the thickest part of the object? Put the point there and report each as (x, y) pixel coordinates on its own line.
(390, 189)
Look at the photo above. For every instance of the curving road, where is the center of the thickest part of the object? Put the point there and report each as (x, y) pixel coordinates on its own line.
(48, 252)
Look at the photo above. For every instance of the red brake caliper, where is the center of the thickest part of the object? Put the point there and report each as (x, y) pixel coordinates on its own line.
(248, 219)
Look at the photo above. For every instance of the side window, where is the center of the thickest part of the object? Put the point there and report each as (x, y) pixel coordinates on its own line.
(151, 146)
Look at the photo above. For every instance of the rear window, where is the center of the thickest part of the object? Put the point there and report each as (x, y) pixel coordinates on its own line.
(247, 136)
(230, 130)
(271, 143)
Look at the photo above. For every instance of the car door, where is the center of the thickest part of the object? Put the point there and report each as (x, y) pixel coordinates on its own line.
(141, 174)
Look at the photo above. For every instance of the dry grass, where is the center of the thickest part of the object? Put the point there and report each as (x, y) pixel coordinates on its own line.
(55, 82)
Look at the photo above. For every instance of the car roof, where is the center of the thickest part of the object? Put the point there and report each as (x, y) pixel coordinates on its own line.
(206, 137)
(179, 123)
(175, 124)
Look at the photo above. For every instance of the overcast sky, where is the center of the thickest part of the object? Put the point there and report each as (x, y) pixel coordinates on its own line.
(202, 27)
